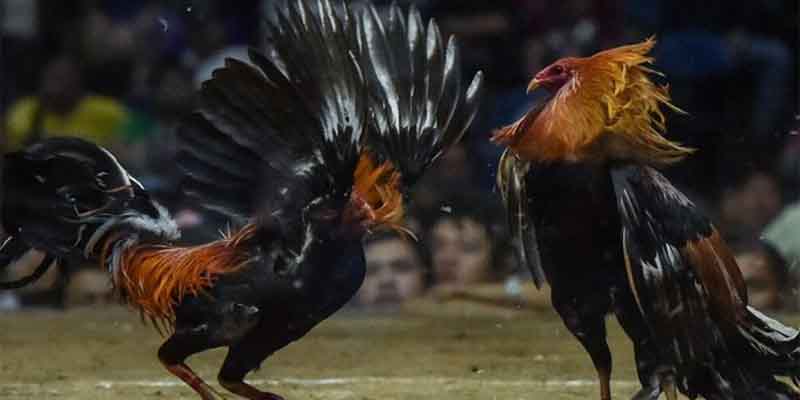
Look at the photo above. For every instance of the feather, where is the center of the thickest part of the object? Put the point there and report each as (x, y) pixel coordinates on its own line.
(419, 107)
(608, 109)
(155, 278)
(692, 296)
(511, 181)
(293, 122)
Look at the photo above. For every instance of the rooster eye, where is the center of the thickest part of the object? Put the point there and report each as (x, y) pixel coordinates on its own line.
(557, 69)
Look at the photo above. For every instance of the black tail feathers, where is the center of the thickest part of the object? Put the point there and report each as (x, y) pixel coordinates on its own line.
(765, 363)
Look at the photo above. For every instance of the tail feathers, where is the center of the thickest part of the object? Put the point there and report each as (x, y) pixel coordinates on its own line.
(774, 347)
(737, 382)
(420, 108)
(764, 351)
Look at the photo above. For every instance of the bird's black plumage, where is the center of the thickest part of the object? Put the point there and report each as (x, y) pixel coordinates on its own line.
(691, 293)
(418, 94)
(275, 144)
(618, 237)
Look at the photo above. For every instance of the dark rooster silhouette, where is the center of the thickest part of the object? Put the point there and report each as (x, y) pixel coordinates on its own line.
(305, 152)
(594, 218)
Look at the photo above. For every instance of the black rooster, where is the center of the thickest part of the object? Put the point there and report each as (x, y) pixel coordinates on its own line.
(305, 152)
(608, 232)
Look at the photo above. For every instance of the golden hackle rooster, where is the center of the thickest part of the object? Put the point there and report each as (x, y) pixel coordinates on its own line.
(305, 153)
(594, 218)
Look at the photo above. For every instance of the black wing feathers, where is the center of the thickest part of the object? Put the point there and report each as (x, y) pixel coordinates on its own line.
(657, 222)
(419, 108)
(290, 122)
(692, 296)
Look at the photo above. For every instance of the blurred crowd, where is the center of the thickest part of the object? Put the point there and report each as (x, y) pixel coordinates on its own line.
(121, 73)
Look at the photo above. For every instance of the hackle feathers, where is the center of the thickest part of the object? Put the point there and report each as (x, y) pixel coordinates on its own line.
(376, 193)
(610, 108)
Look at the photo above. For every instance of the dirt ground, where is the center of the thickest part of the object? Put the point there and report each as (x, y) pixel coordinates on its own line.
(428, 350)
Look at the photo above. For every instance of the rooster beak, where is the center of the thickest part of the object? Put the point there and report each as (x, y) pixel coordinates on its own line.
(534, 84)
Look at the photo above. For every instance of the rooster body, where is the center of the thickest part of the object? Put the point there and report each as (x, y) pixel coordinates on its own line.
(305, 153)
(593, 217)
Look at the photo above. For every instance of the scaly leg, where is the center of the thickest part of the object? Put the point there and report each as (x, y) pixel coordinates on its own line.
(174, 352)
(242, 358)
(585, 318)
(654, 375)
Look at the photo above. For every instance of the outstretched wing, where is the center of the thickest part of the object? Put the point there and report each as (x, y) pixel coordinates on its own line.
(279, 132)
(511, 180)
(419, 105)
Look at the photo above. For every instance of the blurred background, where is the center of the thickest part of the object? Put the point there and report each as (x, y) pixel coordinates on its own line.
(122, 73)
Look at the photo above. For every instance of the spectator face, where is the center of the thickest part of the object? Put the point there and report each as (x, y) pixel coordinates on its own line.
(461, 251)
(751, 206)
(763, 288)
(394, 273)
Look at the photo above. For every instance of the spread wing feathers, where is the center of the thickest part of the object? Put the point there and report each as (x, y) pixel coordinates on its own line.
(264, 127)
(691, 292)
(419, 105)
(511, 180)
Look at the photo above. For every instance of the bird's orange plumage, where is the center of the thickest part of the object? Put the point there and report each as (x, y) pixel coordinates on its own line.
(608, 109)
(155, 278)
(377, 188)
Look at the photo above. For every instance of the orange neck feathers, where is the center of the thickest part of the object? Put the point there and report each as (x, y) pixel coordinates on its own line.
(376, 201)
(608, 109)
(155, 278)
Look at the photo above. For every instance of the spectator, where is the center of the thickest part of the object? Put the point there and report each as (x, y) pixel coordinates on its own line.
(464, 240)
(783, 234)
(749, 204)
(473, 262)
(765, 274)
(62, 107)
(395, 272)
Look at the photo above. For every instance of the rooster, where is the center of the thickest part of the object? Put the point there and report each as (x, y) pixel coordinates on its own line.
(305, 152)
(594, 218)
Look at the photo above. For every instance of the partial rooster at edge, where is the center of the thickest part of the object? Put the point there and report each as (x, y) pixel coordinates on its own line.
(594, 218)
(305, 153)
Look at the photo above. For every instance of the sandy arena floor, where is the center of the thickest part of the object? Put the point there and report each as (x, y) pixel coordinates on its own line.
(428, 351)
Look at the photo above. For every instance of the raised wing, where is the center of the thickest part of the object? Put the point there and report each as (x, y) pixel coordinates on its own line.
(511, 180)
(280, 132)
(419, 107)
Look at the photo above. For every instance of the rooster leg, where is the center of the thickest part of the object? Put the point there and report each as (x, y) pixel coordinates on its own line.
(242, 358)
(585, 318)
(668, 386)
(652, 373)
(173, 353)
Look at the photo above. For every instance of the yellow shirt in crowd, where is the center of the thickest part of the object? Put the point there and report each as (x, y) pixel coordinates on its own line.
(98, 119)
